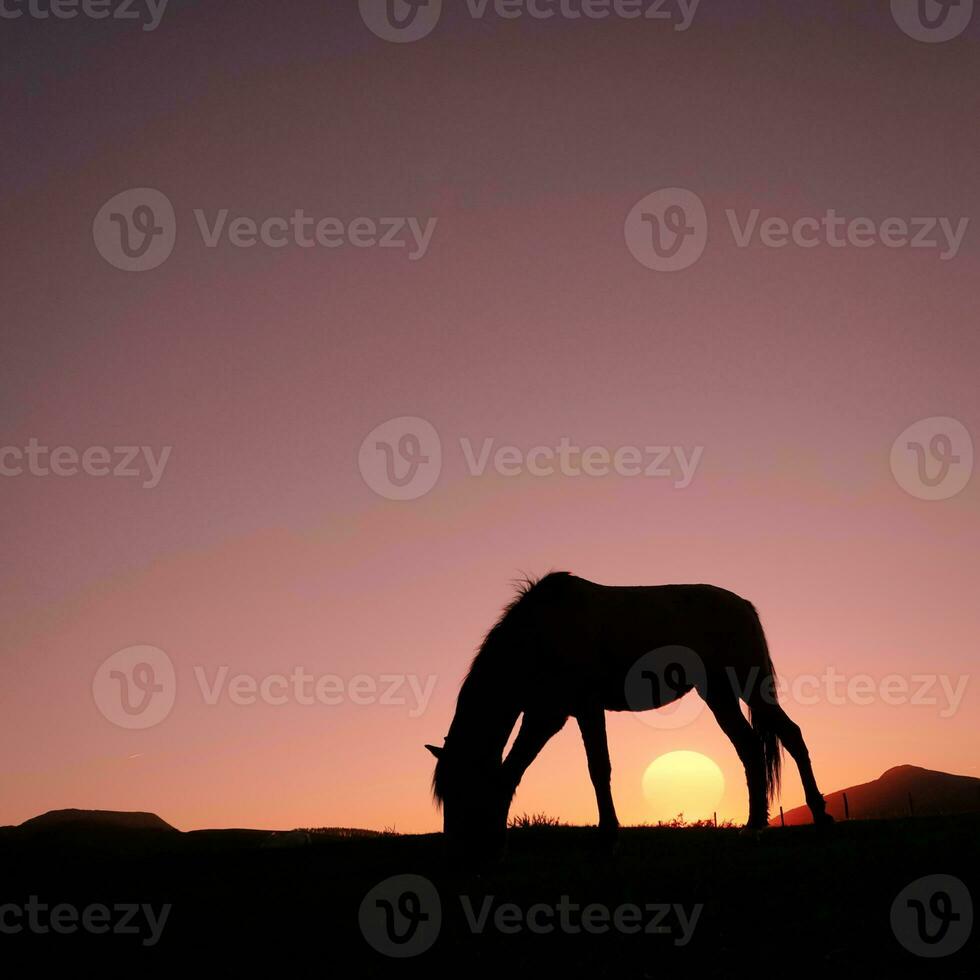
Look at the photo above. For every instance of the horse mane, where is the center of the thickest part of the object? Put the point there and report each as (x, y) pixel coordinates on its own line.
(480, 686)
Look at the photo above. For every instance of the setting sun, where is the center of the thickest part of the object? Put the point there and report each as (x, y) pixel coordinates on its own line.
(683, 782)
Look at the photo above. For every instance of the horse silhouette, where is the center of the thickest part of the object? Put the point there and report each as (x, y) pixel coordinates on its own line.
(566, 647)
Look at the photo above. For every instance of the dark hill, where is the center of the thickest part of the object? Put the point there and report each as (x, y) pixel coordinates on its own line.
(932, 793)
(101, 819)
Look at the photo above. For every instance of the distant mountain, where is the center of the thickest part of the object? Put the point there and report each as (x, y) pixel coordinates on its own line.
(932, 793)
(82, 820)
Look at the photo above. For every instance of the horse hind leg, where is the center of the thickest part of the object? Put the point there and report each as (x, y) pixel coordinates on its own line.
(747, 744)
(789, 733)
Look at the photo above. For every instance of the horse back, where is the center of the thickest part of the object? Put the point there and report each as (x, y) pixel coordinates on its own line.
(588, 636)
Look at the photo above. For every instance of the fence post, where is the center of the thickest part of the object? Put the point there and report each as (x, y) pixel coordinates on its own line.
(716, 818)
(847, 809)
(782, 819)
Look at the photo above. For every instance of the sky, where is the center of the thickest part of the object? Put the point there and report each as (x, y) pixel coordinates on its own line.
(255, 529)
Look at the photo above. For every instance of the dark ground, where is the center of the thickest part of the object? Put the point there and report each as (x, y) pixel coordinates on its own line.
(789, 902)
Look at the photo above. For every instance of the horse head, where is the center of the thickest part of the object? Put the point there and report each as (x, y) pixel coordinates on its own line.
(475, 799)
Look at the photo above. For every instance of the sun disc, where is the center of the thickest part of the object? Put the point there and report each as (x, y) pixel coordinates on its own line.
(683, 782)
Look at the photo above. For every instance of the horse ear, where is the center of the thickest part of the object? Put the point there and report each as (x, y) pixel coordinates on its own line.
(435, 750)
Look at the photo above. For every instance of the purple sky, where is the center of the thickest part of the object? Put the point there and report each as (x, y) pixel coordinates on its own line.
(526, 321)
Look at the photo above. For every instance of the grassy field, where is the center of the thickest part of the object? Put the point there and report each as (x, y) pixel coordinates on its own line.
(794, 901)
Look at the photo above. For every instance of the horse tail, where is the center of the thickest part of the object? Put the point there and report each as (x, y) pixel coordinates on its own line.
(760, 700)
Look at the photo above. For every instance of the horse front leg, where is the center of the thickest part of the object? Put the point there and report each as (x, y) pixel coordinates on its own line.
(537, 728)
(592, 725)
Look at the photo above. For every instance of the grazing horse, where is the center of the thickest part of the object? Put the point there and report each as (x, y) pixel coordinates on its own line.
(569, 647)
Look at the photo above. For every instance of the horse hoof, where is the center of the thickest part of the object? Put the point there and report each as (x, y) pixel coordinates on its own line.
(823, 820)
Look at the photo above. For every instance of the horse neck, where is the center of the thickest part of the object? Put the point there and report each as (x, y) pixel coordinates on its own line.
(486, 712)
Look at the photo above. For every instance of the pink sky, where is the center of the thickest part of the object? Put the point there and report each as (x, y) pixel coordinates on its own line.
(528, 320)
